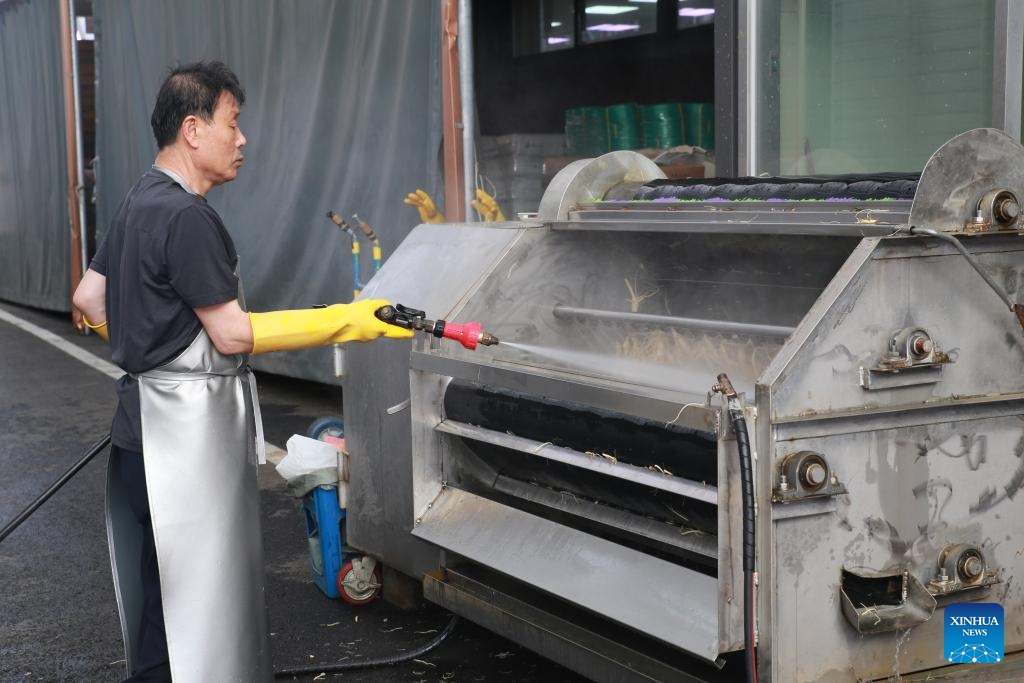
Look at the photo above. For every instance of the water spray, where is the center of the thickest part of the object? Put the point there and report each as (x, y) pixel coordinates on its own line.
(467, 334)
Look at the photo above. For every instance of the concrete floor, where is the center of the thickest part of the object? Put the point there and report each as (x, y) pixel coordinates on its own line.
(58, 620)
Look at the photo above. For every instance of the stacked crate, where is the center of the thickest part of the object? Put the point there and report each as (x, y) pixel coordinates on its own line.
(513, 167)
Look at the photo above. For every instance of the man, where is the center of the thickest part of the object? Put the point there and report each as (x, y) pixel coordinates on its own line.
(182, 503)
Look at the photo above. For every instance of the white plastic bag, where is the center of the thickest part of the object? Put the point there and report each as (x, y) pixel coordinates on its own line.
(309, 463)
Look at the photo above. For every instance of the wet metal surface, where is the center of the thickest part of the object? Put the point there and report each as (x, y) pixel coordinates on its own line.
(671, 603)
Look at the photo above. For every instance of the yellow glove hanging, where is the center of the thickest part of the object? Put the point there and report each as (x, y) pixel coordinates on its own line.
(425, 205)
(308, 328)
(488, 208)
(100, 329)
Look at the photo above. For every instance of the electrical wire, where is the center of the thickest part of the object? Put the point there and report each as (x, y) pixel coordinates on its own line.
(369, 663)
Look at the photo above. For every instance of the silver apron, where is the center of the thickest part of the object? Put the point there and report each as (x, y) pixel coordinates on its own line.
(200, 428)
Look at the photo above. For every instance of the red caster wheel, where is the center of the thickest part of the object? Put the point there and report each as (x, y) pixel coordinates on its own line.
(359, 581)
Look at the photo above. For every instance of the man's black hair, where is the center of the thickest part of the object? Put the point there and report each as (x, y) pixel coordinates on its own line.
(191, 90)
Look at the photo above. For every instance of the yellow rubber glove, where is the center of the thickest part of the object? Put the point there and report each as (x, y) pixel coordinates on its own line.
(308, 328)
(488, 208)
(425, 205)
(100, 329)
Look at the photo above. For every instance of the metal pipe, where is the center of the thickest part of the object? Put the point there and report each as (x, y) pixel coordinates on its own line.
(754, 329)
(83, 229)
(468, 94)
(71, 131)
(749, 87)
(451, 108)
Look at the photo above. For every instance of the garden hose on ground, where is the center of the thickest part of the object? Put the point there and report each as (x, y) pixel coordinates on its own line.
(96, 449)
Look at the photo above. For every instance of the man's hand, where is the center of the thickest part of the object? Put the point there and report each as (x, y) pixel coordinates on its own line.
(90, 299)
(425, 205)
(487, 206)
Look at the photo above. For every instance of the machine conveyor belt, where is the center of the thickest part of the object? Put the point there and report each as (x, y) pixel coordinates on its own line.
(879, 186)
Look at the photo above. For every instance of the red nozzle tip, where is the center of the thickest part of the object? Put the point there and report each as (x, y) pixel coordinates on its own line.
(468, 334)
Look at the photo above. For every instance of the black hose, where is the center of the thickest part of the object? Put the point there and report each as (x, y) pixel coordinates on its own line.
(55, 486)
(368, 663)
(739, 427)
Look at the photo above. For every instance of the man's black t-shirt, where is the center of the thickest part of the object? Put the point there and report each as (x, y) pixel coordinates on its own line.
(167, 252)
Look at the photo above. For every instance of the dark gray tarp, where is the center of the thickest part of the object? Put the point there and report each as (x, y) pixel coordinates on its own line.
(343, 113)
(34, 228)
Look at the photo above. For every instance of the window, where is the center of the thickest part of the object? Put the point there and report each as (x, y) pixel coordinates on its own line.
(557, 28)
(694, 13)
(549, 25)
(544, 26)
(846, 86)
(610, 19)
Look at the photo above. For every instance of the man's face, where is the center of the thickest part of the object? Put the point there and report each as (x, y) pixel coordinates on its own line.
(219, 153)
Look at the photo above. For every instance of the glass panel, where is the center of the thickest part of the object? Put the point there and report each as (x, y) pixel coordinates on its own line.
(847, 86)
(558, 25)
(694, 13)
(611, 19)
(543, 26)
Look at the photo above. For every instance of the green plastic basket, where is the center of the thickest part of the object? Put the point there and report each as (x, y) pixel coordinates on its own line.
(699, 124)
(623, 126)
(662, 124)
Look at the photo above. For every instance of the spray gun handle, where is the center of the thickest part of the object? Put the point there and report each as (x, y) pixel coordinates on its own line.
(390, 315)
(411, 312)
(403, 316)
(410, 319)
(468, 334)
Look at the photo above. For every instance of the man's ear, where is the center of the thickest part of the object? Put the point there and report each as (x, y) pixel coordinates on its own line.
(190, 130)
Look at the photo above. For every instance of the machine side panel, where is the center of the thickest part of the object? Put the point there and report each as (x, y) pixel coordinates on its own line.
(913, 492)
(429, 271)
(920, 459)
(909, 283)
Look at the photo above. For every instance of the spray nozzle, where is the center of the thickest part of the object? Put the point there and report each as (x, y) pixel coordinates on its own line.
(467, 334)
